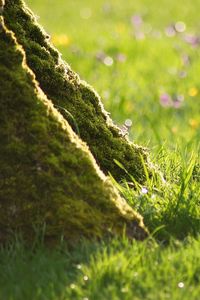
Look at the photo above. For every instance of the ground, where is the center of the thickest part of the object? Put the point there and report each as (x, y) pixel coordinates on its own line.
(143, 58)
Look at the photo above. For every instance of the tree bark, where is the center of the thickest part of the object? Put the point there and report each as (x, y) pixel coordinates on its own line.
(48, 177)
(72, 95)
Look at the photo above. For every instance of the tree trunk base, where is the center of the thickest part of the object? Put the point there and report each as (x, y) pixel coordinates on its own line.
(75, 99)
(49, 179)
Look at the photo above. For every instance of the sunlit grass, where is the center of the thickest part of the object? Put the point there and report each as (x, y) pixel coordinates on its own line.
(119, 269)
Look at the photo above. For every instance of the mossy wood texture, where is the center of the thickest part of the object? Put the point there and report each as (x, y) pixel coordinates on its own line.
(47, 174)
(70, 94)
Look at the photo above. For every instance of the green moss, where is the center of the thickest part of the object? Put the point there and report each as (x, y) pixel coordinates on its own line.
(48, 176)
(105, 140)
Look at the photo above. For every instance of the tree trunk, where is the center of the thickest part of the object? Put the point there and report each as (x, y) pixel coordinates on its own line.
(71, 95)
(48, 177)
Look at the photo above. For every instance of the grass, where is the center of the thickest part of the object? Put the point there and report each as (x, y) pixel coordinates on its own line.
(117, 270)
(124, 49)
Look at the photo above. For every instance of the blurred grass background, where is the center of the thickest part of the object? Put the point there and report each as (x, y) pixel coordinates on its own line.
(141, 56)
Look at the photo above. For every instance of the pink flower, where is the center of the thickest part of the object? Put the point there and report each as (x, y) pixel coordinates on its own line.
(136, 21)
(165, 100)
(144, 190)
(192, 39)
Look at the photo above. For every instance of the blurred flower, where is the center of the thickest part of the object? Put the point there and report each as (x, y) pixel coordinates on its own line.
(136, 20)
(85, 278)
(79, 267)
(61, 40)
(180, 26)
(182, 74)
(137, 23)
(105, 59)
(108, 61)
(144, 190)
(165, 100)
(192, 39)
(170, 31)
(121, 57)
(100, 55)
(180, 98)
(139, 35)
(72, 286)
(185, 59)
(181, 285)
(128, 123)
(177, 104)
(174, 129)
(193, 91)
(177, 101)
(194, 123)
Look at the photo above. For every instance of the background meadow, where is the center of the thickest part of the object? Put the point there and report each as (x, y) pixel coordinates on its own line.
(143, 58)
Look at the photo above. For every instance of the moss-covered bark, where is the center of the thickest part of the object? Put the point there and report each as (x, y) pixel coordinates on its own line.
(47, 174)
(66, 90)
